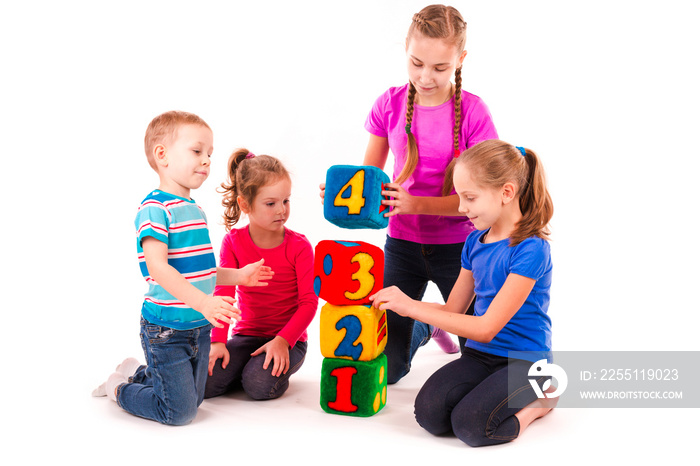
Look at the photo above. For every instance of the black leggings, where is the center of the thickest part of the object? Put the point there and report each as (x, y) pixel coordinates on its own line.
(471, 398)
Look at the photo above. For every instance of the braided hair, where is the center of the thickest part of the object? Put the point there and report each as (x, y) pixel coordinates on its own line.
(438, 22)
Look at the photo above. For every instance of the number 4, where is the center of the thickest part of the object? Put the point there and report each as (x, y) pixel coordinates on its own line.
(355, 201)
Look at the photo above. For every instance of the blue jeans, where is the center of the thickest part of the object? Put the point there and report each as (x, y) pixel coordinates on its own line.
(410, 266)
(246, 372)
(470, 398)
(170, 387)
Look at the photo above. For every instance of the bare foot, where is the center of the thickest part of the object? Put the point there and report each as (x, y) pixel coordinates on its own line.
(535, 410)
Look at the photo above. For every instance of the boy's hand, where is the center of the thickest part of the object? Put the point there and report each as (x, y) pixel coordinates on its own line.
(218, 351)
(276, 350)
(255, 274)
(219, 310)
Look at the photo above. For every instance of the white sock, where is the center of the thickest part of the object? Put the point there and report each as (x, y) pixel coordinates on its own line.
(113, 381)
(127, 368)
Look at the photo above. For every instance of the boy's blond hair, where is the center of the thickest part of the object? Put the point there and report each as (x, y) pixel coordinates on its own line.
(163, 129)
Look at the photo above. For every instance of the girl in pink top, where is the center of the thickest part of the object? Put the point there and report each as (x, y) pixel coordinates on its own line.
(425, 124)
(268, 344)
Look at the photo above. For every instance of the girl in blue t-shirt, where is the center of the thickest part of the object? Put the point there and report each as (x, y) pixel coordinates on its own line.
(484, 397)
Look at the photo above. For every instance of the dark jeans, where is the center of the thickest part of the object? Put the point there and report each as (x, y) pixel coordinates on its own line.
(410, 266)
(246, 372)
(470, 397)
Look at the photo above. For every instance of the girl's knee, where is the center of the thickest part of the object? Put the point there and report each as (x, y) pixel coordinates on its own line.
(435, 419)
(477, 427)
(264, 391)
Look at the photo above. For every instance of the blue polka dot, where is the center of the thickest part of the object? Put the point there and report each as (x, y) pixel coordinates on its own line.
(327, 264)
(317, 286)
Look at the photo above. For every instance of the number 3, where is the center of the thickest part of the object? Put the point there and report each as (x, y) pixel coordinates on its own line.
(362, 275)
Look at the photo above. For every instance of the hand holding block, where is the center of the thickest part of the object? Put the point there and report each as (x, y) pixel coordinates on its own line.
(352, 332)
(353, 197)
(353, 388)
(347, 273)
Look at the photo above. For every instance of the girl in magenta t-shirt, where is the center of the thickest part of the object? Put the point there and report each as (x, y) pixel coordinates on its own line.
(268, 344)
(425, 124)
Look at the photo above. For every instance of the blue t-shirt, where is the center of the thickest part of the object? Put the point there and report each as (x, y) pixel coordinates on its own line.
(530, 329)
(181, 224)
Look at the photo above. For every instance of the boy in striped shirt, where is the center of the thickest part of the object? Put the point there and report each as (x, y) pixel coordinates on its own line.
(178, 263)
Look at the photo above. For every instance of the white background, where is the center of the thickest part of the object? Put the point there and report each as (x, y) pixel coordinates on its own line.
(605, 91)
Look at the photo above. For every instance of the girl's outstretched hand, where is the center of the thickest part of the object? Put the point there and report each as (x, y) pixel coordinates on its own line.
(392, 298)
(401, 202)
(255, 274)
(218, 351)
(277, 351)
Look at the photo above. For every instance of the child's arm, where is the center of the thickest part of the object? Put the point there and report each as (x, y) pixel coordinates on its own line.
(404, 203)
(277, 350)
(254, 274)
(377, 151)
(213, 308)
(306, 297)
(450, 316)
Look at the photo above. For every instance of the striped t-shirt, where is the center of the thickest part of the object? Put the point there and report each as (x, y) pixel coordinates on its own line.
(181, 224)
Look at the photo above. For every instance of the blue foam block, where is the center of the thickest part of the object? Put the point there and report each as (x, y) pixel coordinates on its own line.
(353, 197)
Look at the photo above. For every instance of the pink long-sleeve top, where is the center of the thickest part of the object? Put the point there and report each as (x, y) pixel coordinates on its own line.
(287, 305)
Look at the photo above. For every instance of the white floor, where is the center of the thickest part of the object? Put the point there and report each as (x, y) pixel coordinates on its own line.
(294, 430)
(605, 92)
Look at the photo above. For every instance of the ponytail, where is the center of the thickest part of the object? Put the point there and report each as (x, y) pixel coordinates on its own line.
(247, 173)
(493, 163)
(535, 203)
(232, 211)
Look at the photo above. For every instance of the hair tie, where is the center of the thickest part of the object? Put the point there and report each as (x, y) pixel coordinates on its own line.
(457, 153)
(521, 149)
(249, 155)
(408, 128)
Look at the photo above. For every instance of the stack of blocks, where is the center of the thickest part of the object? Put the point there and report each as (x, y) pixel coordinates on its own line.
(353, 333)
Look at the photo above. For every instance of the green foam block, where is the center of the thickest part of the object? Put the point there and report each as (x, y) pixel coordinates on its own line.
(353, 388)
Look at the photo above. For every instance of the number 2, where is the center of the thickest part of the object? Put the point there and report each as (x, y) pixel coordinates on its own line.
(353, 329)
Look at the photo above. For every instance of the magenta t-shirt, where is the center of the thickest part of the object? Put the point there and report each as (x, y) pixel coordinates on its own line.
(432, 127)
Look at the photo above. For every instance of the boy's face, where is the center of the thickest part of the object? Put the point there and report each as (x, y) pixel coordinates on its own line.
(183, 162)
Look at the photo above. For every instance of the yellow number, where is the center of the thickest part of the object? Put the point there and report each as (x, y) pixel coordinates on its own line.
(355, 202)
(362, 275)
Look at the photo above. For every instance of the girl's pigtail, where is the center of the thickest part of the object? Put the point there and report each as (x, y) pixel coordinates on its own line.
(448, 184)
(535, 203)
(232, 211)
(412, 147)
(458, 110)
